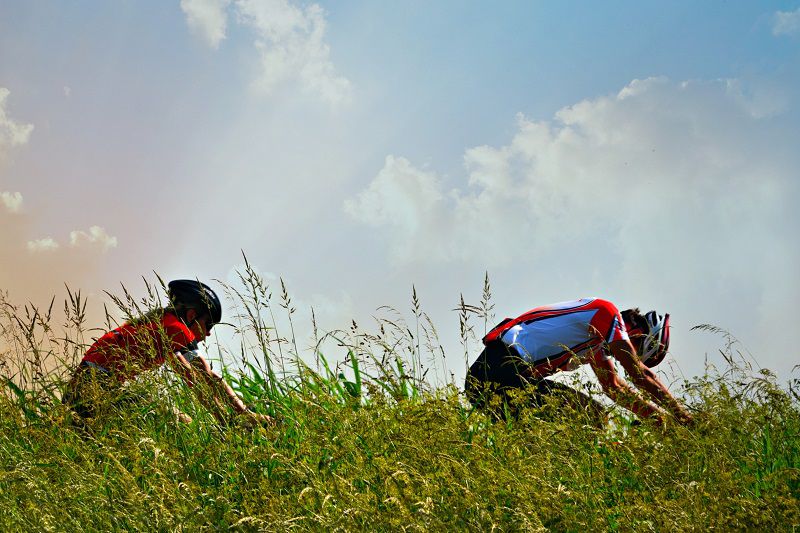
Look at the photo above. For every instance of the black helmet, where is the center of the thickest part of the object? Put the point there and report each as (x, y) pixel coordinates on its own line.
(195, 295)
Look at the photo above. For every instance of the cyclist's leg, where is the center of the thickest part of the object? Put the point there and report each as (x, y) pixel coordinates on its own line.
(477, 381)
(84, 392)
(496, 378)
(482, 380)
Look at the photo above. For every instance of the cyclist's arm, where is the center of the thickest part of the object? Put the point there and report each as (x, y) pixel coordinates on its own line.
(212, 391)
(180, 365)
(645, 379)
(618, 390)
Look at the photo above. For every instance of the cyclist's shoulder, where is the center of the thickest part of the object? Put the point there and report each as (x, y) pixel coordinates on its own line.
(602, 304)
(176, 329)
(563, 308)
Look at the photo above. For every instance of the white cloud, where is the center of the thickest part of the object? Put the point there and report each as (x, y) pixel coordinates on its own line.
(674, 192)
(96, 236)
(208, 18)
(292, 47)
(11, 200)
(11, 133)
(406, 199)
(786, 22)
(290, 43)
(48, 244)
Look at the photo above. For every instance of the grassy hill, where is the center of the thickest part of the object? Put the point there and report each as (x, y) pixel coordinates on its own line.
(370, 446)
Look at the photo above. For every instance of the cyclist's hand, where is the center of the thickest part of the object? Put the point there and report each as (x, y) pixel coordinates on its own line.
(686, 419)
(659, 421)
(264, 420)
(251, 419)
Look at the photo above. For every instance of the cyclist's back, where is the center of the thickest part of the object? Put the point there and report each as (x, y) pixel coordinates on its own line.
(557, 336)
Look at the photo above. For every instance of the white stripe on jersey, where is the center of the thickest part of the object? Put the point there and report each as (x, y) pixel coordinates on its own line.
(614, 326)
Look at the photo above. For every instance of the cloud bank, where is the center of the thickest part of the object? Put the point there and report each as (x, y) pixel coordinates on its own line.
(680, 154)
(290, 43)
(664, 191)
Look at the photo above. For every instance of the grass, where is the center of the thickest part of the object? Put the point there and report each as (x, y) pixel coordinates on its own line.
(375, 443)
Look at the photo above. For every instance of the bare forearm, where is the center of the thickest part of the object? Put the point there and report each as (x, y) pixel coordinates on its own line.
(628, 398)
(217, 395)
(214, 393)
(650, 383)
(223, 393)
(226, 393)
(646, 380)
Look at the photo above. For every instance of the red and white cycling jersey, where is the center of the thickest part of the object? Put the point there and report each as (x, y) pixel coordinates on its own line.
(555, 337)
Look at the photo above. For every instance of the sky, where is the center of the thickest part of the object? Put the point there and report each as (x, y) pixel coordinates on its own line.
(641, 152)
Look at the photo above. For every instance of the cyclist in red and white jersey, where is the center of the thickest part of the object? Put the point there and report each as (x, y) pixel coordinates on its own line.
(164, 335)
(524, 351)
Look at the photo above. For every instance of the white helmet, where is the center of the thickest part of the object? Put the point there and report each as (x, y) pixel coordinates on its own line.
(655, 344)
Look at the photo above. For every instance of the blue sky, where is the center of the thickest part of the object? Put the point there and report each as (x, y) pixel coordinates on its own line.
(639, 151)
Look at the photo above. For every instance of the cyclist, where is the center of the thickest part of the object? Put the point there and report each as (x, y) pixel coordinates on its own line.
(164, 335)
(523, 352)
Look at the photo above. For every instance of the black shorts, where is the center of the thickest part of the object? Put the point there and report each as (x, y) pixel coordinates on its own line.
(499, 370)
(92, 387)
(499, 365)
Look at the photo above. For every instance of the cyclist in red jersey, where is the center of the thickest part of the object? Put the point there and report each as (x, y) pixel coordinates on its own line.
(524, 351)
(164, 335)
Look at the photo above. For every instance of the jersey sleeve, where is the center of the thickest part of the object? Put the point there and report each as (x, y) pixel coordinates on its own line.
(498, 330)
(607, 322)
(180, 339)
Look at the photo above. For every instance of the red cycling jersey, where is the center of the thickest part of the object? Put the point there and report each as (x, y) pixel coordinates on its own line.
(131, 349)
(550, 337)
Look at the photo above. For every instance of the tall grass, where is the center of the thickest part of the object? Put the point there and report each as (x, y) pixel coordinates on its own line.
(374, 435)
